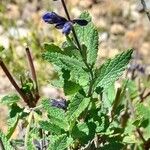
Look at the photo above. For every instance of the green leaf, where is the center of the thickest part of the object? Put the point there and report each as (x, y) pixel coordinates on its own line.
(47, 126)
(56, 115)
(143, 115)
(10, 99)
(71, 88)
(59, 142)
(14, 110)
(52, 48)
(84, 132)
(5, 142)
(12, 124)
(109, 96)
(77, 105)
(110, 71)
(111, 146)
(1, 48)
(68, 63)
(34, 132)
(88, 35)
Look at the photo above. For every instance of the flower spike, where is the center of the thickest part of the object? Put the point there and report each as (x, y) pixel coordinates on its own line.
(62, 23)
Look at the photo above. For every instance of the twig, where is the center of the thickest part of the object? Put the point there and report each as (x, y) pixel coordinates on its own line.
(1, 145)
(133, 115)
(148, 94)
(80, 49)
(32, 68)
(28, 129)
(145, 9)
(11, 79)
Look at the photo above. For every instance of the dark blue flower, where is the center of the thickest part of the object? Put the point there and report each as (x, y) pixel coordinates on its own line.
(62, 23)
(67, 28)
(53, 18)
(59, 103)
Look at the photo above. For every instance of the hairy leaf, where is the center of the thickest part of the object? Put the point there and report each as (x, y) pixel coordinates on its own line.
(84, 132)
(5, 143)
(59, 142)
(112, 70)
(143, 117)
(12, 124)
(77, 105)
(48, 126)
(56, 115)
(10, 99)
(88, 36)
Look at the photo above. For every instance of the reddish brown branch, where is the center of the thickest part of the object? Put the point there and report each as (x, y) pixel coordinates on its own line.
(32, 68)
(11, 79)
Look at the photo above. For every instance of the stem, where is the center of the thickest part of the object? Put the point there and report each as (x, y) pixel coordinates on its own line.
(28, 129)
(32, 68)
(145, 9)
(133, 115)
(11, 79)
(80, 50)
(2, 145)
(66, 10)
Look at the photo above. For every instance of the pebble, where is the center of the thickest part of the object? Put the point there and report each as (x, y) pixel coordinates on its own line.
(117, 29)
(103, 36)
(4, 41)
(85, 3)
(18, 33)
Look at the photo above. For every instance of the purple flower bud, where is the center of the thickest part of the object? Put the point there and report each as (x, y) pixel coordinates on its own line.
(81, 22)
(53, 18)
(67, 28)
(59, 103)
(62, 23)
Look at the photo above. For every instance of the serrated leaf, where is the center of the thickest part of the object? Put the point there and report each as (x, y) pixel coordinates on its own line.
(14, 110)
(111, 146)
(68, 63)
(77, 105)
(10, 99)
(33, 135)
(143, 113)
(71, 88)
(5, 142)
(47, 126)
(50, 47)
(84, 132)
(110, 71)
(88, 35)
(12, 124)
(1, 48)
(59, 142)
(56, 115)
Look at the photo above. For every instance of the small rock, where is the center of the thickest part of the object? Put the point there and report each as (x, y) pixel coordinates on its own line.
(117, 29)
(74, 2)
(144, 50)
(86, 3)
(51, 92)
(101, 23)
(103, 36)
(4, 41)
(75, 11)
(18, 33)
(134, 14)
(12, 11)
(139, 6)
(28, 11)
(134, 37)
(20, 51)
